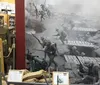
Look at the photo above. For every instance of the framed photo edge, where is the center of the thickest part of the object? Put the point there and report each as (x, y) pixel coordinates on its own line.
(20, 34)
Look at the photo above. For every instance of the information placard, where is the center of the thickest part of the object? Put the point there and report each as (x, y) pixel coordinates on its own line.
(60, 78)
(15, 76)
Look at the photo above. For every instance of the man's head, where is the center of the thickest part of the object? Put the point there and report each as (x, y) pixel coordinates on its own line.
(41, 5)
(88, 33)
(88, 63)
(57, 30)
(74, 48)
(48, 43)
(42, 38)
(98, 32)
(82, 53)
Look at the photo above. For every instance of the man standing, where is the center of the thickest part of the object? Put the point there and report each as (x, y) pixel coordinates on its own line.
(62, 35)
(42, 14)
(96, 41)
(51, 51)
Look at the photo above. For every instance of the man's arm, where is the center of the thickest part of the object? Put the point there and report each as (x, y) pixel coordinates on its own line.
(45, 54)
(98, 72)
(94, 39)
(55, 47)
(56, 34)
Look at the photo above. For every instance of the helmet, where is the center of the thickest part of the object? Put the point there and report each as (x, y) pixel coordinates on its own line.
(88, 63)
(98, 32)
(83, 54)
(74, 47)
(57, 29)
(42, 38)
(48, 42)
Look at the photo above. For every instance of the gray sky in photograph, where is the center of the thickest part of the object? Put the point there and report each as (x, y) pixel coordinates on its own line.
(82, 7)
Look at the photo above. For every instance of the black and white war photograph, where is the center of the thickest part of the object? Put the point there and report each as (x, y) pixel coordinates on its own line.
(64, 36)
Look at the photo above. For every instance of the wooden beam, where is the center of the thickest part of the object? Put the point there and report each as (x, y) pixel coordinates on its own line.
(20, 34)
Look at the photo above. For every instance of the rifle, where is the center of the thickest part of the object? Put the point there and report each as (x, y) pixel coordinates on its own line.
(37, 39)
(78, 60)
(39, 50)
(36, 10)
(41, 44)
(81, 67)
(42, 50)
(48, 51)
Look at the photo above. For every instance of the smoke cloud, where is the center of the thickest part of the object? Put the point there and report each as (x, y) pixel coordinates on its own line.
(82, 7)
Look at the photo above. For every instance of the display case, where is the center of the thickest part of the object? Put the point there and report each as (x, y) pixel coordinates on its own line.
(51, 24)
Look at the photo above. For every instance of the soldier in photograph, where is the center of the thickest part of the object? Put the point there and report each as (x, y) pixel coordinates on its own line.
(74, 51)
(51, 51)
(36, 11)
(91, 75)
(48, 13)
(42, 15)
(72, 25)
(44, 42)
(62, 35)
(96, 41)
(87, 36)
(43, 7)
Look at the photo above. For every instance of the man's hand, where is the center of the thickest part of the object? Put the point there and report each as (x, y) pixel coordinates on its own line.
(44, 59)
(97, 83)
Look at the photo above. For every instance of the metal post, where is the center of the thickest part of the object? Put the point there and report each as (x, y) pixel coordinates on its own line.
(45, 79)
(57, 80)
(0, 74)
(14, 57)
